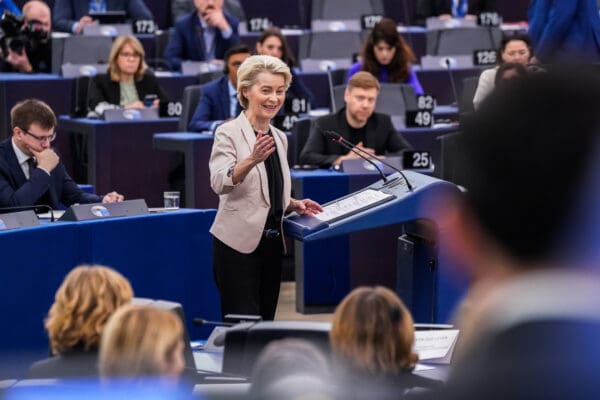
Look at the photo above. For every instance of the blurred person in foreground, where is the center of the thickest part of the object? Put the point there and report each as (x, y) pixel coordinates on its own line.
(527, 231)
(28, 49)
(372, 338)
(85, 300)
(291, 369)
(142, 341)
(250, 173)
(128, 83)
(31, 172)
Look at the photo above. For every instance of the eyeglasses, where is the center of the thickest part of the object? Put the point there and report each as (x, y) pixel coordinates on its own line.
(130, 55)
(40, 138)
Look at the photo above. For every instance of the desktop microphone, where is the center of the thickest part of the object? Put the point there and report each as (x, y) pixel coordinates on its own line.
(202, 322)
(340, 140)
(336, 137)
(452, 82)
(37, 208)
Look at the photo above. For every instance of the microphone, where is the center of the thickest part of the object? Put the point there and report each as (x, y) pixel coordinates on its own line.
(36, 208)
(202, 322)
(452, 83)
(336, 137)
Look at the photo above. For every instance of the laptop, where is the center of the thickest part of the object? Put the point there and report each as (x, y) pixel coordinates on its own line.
(76, 70)
(108, 30)
(321, 65)
(360, 166)
(109, 17)
(192, 68)
(435, 23)
(130, 114)
(439, 62)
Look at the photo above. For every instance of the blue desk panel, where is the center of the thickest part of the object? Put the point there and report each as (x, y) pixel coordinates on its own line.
(165, 256)
(119, 156)
(363, 249)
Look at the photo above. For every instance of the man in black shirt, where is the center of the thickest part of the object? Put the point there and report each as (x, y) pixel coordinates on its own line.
(356, 122)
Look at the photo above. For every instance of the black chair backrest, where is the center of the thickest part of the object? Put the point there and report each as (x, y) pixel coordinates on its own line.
(81, 90)
(465, 101)
(393, 99)
(300, 132)
(206, 77)
(345, 9)
(328, 45)
(189, 102)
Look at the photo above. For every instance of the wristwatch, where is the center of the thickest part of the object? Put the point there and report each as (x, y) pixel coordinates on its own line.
(230, 171)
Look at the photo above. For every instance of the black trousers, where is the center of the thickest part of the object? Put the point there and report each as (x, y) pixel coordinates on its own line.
(248, 283)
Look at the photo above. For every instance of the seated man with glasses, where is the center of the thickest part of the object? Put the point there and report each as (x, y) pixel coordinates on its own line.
(30, 171)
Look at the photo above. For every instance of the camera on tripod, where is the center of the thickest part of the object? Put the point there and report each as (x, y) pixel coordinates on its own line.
(18, 35)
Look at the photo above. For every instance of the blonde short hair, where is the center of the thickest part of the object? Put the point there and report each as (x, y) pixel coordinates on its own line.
(83, 303)
(254, 65)
(113, 66)
(373, 331)
(137, 340)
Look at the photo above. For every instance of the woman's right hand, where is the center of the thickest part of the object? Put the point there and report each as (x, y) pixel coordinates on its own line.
(263, 148)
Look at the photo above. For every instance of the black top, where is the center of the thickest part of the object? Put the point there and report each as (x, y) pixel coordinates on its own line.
(378, 134)
(102, 88)
(275, 181)
(72, 364)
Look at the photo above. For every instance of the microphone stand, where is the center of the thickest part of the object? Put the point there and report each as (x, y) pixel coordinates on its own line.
(336, 137)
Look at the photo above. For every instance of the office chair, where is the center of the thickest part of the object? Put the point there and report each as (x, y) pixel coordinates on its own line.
(342, 15)
(189, 102)
(300, 132)
(462, 41)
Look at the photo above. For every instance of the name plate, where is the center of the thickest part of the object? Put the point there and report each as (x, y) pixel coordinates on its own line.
(130, 114)
(19, 219)
(84, 212)
(436, 346)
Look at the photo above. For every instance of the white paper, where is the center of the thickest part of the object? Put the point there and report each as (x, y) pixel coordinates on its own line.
(436, 346)
(351, 204)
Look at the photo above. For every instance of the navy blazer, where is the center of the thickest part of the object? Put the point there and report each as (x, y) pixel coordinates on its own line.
(214, 105)
(68, 12)
(16, 190)
(565, 30)
(186, 41)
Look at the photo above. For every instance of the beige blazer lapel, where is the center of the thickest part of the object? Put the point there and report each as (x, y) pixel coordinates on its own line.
(250, 137)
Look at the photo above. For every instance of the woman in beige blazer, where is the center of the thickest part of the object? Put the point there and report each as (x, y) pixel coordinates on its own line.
(250, 173)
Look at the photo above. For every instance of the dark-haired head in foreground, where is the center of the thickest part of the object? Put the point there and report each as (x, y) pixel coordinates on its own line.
(528, 232)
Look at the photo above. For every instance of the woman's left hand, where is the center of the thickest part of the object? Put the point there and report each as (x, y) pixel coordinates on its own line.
(305, 207)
